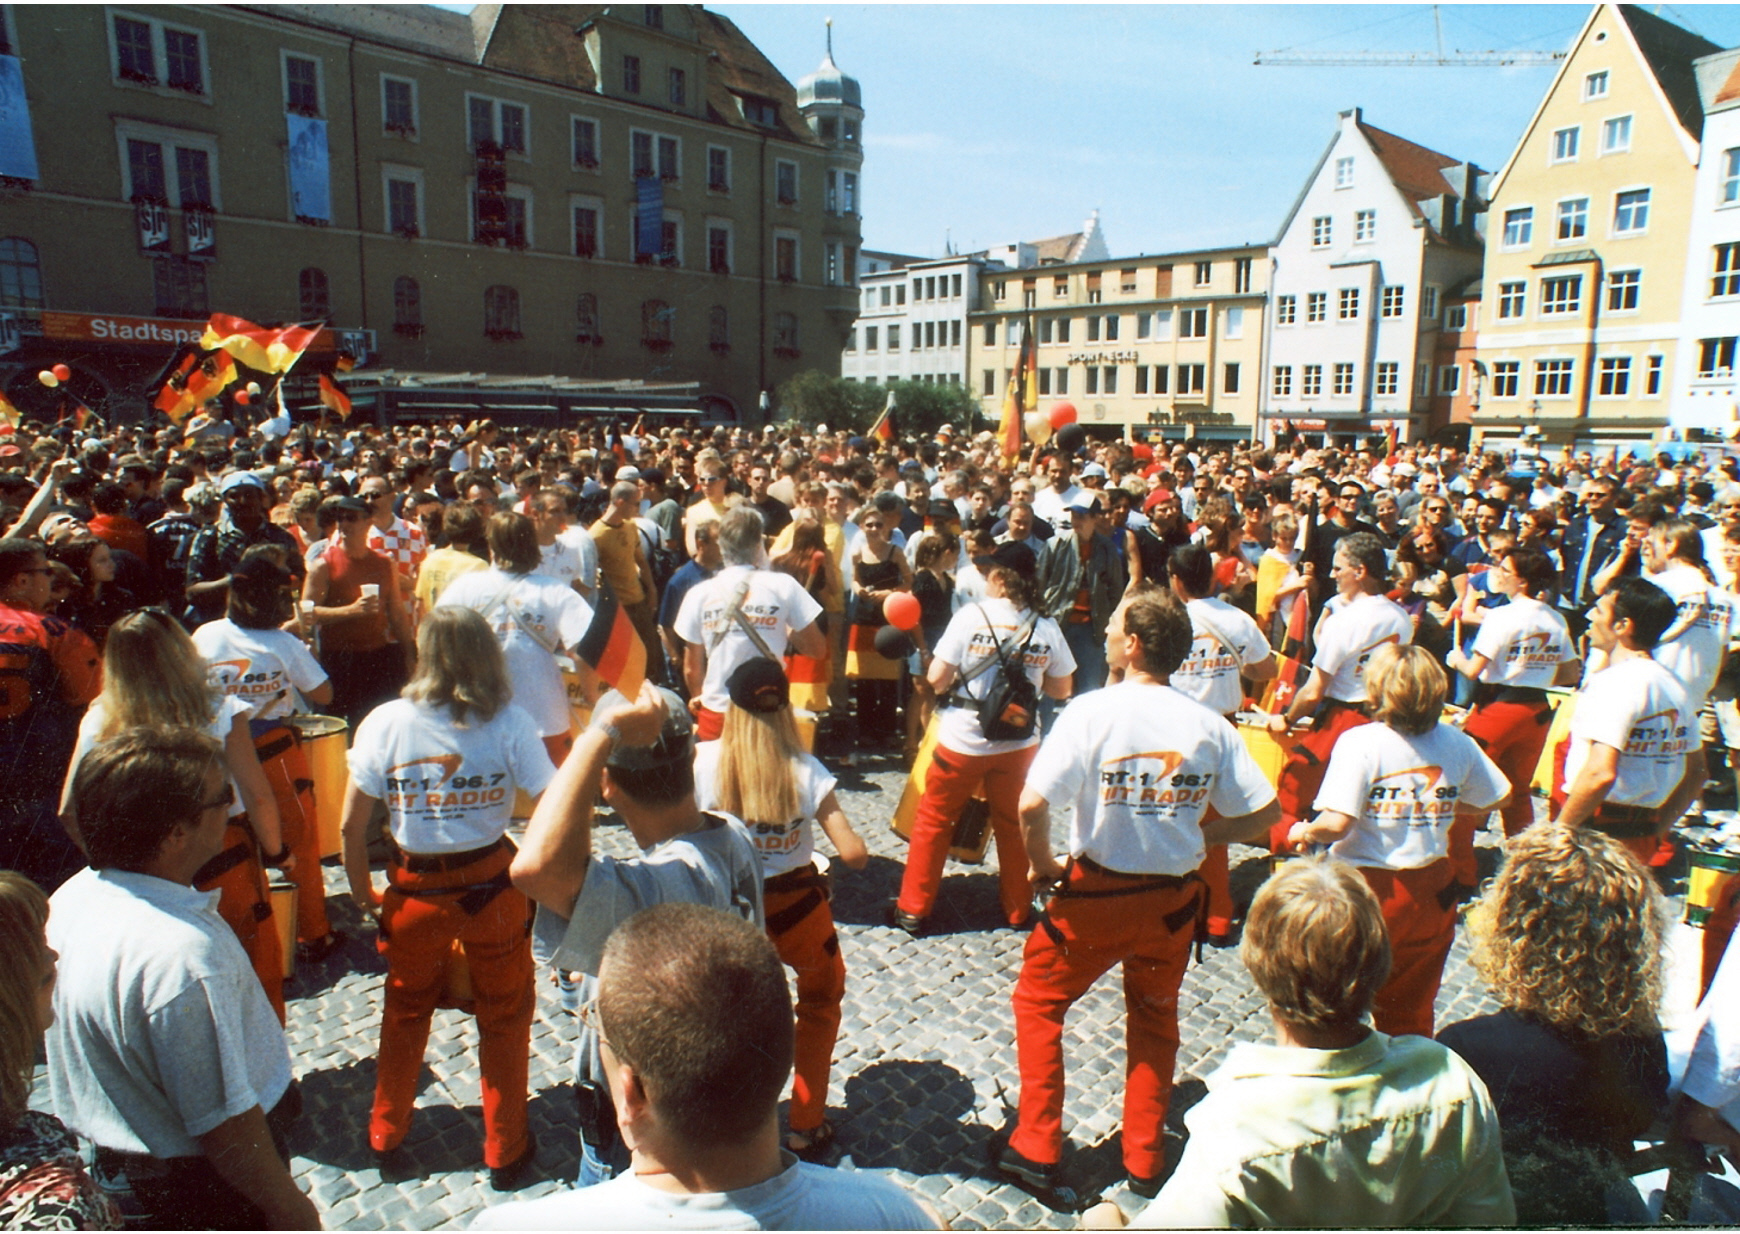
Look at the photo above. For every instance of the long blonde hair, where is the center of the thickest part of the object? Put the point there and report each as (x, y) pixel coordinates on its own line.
(154, 675)
(460, 666)
(755, 780)
(23, 914)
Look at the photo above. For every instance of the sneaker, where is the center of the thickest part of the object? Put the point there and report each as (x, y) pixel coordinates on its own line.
(914, 926)
(512, 1176)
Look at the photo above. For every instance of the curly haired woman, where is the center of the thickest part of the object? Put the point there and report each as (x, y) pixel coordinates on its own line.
(1569, 937)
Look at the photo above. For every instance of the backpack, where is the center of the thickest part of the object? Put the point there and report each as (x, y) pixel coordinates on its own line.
(1010, 708)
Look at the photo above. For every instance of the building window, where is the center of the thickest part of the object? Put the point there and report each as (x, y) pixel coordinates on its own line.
(954, 334)
(1286, 309)
(314, 295)
(1343, 380)
(654, 16)
(1229, 383)
(1449, 379)
(631, 74)
(1311, 385)
(1162, 379)
(142, 44)
(399, 106)
(1595, 85)
(1716, 357)
(1652, 379)
(1093, 380)
(1204, 273)
(1506, 377)
(1622, 289)
(407, 307)
(1283, 382)
(1192, 323)
(585, 137)
(1321, 232)
(1519, 227)
(1144, 325)
(1456, 318)
(404, 205)
(1616, 135)
(1573, 218)
(1364, 226)
(1344, 173)
(1726, 280)
(1614, 380)
(1141, 380)
(501, 313)
(870, 337)
(1560, 295)
(493, 120)
(1111, 329)
(1347, 304)
(893, 338)
(152, 153)
(1235, 323)
(1109, 379)
(670, 242)
(1512, 300)
(20, 275)
(302, 85)
(1062, 331)
(785, 183)
(785, 335)
(1192, 378)
(180, 288)
(656, 320)
(719, 249)
(1316, 306)
(1631, 212)
(785, 258)
(1565, 144)
(1730, 176)
(587, 233)
(1126, 282)
(1553, 378)
(1060, 287)
(1429, 303)
(1389, 377)
(1242, 276)
(1060, 381)
(1393, 301)
(718, 169)
(988, 385)
(955, 285)
(679, 88)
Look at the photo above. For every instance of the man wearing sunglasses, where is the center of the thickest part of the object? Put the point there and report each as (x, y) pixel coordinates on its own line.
(217, 550)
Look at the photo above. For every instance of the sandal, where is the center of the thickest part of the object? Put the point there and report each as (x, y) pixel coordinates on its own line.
(813, 1145)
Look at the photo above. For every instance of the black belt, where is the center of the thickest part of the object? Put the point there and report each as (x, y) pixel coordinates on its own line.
(811, 881)
(1626, 822)
(1495, 692)
(440, 863)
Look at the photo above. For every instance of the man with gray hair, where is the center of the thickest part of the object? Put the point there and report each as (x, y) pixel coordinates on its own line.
(744, 611)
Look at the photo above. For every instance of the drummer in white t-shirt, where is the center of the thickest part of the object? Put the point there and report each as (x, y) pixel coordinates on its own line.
(964, 760)
(1693, 647)
(1523, 647)
(1225, 645)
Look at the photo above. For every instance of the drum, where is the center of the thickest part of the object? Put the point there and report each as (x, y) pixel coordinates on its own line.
(1710, 883)
(972, 830)
(283, 893)
(806, 727)
(325, 739)
(1561, 729)
(578, 703)
(1268, 750)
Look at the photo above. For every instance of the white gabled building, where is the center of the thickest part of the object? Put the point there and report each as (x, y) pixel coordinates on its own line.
(1383, 230)
(1706, 390)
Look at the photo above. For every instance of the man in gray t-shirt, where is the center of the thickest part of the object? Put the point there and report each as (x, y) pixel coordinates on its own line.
(639, 758)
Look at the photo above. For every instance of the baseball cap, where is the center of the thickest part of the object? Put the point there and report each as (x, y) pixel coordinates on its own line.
(1093, 469)
(1017, 557)
(347, 505)
(1085, 504)
(676, 743)
(628, 473)
(1156, 497)
(240, 479)
(943, 508)
(759, 684)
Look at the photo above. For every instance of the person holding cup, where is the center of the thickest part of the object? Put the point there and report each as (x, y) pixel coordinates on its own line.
(357, 605)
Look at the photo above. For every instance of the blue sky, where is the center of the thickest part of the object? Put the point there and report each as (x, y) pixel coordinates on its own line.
(991, 123)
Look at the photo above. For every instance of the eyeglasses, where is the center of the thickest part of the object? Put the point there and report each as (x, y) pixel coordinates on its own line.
(592, 1018)
(226, 799)
(712, 479)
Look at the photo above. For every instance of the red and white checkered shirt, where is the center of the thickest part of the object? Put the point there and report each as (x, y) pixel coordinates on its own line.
(406, 544)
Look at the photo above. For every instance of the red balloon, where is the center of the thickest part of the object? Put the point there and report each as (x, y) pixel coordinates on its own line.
(62, 371)
(902, 610)
(1061, 414)
(243, 397)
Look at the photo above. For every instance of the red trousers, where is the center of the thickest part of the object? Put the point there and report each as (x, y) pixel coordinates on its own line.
(1149, 932)
(1302, 773)
(802, 929)
(1218, 878)
(708, 723)
(1513, 736)
(243, 902)
(286, 768)
(417, 933)
(1422, 927)
(948, 786)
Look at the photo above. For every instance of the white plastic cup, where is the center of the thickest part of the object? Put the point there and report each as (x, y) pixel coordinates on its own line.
(371, 590)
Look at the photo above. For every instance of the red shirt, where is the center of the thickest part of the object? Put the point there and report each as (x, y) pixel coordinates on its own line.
(346, 576)
(43, 662)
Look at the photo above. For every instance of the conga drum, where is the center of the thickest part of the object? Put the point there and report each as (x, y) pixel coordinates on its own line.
(1557, 735)
(325, 739)
(1713, 903)
(972, 834)
(283, 895)
(1265, 748)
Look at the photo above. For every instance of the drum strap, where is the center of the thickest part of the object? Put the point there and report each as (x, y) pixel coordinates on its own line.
(221, 865)
(1177, 919)
(473, 897)
(278, 745)
(787, 918)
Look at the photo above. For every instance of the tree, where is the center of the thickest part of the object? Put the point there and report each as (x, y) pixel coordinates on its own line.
(920, 408)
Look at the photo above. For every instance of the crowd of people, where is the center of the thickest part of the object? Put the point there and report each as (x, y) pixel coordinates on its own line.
(1105, 630)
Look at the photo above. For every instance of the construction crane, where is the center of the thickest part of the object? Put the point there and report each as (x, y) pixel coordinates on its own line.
(1409, 59)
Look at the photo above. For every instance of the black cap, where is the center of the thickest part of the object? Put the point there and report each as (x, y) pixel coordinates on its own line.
(1017, 557)
(676, 743)
(759, 685)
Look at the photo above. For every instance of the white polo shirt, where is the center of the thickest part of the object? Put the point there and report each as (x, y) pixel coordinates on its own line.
(775, 605)
(1224, 641)
(1347, 636)
(1640, 709)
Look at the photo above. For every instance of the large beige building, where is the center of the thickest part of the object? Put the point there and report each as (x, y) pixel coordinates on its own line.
(1169, 346)
(1586, 240)
(611, 191)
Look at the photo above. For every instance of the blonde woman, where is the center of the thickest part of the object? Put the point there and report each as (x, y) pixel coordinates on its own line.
(43, 1184)
(154, 676)
(759, 772)
(1389, 796)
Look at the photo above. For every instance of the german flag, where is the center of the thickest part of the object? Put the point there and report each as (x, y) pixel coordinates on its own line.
(334, 399)
(611, 646)
(885, 429)
(1021, 397)
(270, 349)
(9, 417)
(193, 383)
(345, 362)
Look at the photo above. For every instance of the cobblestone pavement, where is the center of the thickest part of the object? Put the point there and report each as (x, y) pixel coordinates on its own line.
(924, 1071)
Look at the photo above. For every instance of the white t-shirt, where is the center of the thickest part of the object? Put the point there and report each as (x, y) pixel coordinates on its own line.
(586, 551)
(1638, 708)
(531, 615)
(1702, 625)
(775, 604)
(1402, 792)
(263, 668)
(1210, 672)
(1053, 506)
(447, 789)
(1524, 643)
(783, 845)
(229, 710)
(559, 561)
(1138, 764)
(1349, 633)
(969, 641)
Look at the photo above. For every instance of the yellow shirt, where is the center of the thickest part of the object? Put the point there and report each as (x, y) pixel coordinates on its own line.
(616, 559)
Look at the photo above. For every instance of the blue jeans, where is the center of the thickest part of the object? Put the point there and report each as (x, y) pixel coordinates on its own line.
(596, 1167)
(1088, 646)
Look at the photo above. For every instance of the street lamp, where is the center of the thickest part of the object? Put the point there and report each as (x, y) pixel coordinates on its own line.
(1535, 410)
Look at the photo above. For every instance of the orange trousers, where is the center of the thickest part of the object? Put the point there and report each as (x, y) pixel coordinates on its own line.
(286, 768)
(1513, 736)
(802, 929)
(1217, 876)
(708, 723)
(1422, 926)
(243, 902)
(948, 786)
(422, 915)
(1302, 772)
(1100, 919)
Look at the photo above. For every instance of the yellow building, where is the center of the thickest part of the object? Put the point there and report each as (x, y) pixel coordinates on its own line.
(1586, 241)
(1169, 346)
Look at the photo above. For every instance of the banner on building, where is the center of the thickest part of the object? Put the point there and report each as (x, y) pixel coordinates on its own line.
(649, 217)
(201, 232)
(310, 172)
(152, 218)
(17, 145)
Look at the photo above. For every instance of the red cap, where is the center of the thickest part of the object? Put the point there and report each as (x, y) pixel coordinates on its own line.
(1156, 497)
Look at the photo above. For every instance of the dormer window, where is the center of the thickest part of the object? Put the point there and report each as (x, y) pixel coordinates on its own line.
(655, 16)
(764, 112)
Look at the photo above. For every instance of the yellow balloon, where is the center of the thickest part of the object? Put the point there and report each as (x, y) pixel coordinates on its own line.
(1038, 428)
